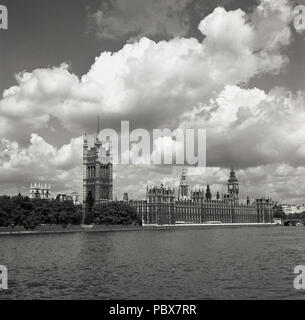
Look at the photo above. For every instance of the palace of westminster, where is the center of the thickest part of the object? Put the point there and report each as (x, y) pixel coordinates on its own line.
(162, 206)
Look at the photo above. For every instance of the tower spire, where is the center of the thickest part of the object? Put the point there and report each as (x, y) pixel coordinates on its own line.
(184, 186)
(97, 140)
(183, 173)
(233, 186)
(98, 126)
(208, 194)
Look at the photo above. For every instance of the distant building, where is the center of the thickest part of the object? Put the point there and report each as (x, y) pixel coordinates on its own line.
(63, 197)
(74, 197)
(184, 188)
(97, 173)
(160, 195)
(40, 191)
(125, 197)
(198, 196)
(292, 208)
(161, 206)
(233, 187)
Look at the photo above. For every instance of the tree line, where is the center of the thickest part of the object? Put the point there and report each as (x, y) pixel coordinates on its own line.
(113, 213)
(29, 213)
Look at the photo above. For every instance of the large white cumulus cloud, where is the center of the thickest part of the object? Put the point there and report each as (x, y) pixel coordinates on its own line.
(41, 162)
(261, 133)
(151, 82)
(249, 127)
(182, 82)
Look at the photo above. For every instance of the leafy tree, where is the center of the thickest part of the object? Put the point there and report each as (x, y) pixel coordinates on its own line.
(30, 222)
(22, 208)
(115, 213)
(29, 213)
(5, 211)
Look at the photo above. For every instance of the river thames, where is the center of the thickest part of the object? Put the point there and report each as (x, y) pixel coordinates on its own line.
(205, 263)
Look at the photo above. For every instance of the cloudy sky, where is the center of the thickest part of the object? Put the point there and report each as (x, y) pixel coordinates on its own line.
(233, 67)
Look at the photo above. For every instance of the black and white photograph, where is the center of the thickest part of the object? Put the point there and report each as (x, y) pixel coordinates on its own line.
(152, 150)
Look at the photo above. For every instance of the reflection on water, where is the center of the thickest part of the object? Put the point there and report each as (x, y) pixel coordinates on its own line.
(211, 263)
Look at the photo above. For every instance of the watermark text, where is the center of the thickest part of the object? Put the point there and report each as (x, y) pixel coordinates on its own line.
(299, 17)
(158, 146)
(299, 280)
(3, 17)
(3, 278)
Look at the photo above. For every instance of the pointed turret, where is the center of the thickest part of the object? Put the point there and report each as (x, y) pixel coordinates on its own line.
(97, 140)
(208, 194)
(233, 186)
(85, 145)
(184, 188)
(232, 177)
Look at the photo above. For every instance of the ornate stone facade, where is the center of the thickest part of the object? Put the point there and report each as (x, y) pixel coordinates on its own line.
(40, 191)
(97, 172)
(161, 207)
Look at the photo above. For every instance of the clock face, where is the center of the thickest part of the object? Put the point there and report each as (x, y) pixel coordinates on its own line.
(230, 187)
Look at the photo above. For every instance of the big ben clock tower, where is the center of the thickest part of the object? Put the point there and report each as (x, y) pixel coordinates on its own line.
(233, 186)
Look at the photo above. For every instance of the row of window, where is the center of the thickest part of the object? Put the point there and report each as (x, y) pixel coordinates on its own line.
(105, 173)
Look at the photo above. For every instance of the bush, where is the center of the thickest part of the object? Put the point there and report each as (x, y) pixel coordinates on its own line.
(29, 213)
(115, 213)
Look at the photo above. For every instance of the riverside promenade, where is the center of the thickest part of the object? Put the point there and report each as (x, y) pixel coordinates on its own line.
(69, 229)
(4, 231)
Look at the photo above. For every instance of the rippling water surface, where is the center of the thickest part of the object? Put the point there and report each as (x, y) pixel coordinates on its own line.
(210, 263)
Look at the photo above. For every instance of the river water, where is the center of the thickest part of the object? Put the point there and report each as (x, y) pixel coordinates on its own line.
(206, 263)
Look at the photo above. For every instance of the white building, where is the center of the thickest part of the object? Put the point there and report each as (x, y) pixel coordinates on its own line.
(292, 208)
(40, 191)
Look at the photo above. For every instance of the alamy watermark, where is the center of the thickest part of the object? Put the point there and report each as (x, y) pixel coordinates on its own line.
(299, 19)
(160, 146)
(299, 281)
(3, 17)
(3, 278)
